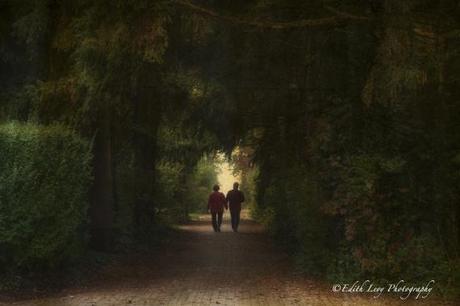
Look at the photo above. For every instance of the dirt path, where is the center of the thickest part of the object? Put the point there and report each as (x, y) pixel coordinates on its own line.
(206, 268)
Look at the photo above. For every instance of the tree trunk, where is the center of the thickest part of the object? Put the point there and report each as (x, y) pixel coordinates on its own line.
(101, 208)
(146, 121)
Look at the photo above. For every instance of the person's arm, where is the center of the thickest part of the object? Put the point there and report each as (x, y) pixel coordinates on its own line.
(242, 197)
(224, 199)
(227, 200)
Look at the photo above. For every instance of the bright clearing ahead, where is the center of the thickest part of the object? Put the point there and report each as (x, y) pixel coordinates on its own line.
(226, 177)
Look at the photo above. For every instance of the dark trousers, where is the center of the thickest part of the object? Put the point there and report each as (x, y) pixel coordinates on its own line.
(216, 220)
(235, 218)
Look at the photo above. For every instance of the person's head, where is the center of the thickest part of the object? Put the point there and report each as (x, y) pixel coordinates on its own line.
(235, 186)
(216, 187)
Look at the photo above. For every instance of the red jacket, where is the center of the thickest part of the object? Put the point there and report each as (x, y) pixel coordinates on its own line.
(217, 202)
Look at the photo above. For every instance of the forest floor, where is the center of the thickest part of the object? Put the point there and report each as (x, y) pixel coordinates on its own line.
(200, 267)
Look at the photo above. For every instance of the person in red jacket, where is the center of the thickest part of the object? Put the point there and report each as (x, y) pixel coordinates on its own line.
(216, 204)
(234, 198)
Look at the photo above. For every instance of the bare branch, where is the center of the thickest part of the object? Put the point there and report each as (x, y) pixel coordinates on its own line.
(339, 18)
(347, 15)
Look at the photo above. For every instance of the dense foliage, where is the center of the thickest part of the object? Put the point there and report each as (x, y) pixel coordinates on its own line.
(355, 130)
(45, 175)
(345, 112)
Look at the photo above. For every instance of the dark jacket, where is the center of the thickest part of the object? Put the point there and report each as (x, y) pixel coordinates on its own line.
(234, 199)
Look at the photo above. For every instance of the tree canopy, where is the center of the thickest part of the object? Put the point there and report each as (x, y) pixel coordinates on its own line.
(348, 109)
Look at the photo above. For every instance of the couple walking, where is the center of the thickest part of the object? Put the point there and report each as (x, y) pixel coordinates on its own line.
(217, 201)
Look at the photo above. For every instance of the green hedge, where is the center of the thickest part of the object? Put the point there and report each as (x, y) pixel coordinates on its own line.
(45, 174)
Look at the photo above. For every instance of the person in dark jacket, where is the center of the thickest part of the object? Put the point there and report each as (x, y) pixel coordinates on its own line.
(234, 198)
(216, 204)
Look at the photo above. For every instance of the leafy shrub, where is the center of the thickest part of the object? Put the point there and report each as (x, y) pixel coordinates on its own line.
(361, 216)
(168, 190)
(199, 184)
(132, 190)
(292, 214)
(44, 179)
(181, 191)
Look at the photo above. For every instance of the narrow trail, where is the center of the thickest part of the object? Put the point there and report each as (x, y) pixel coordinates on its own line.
(201, 267)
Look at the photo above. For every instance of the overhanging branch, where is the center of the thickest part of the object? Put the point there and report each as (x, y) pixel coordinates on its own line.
(338, 18)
